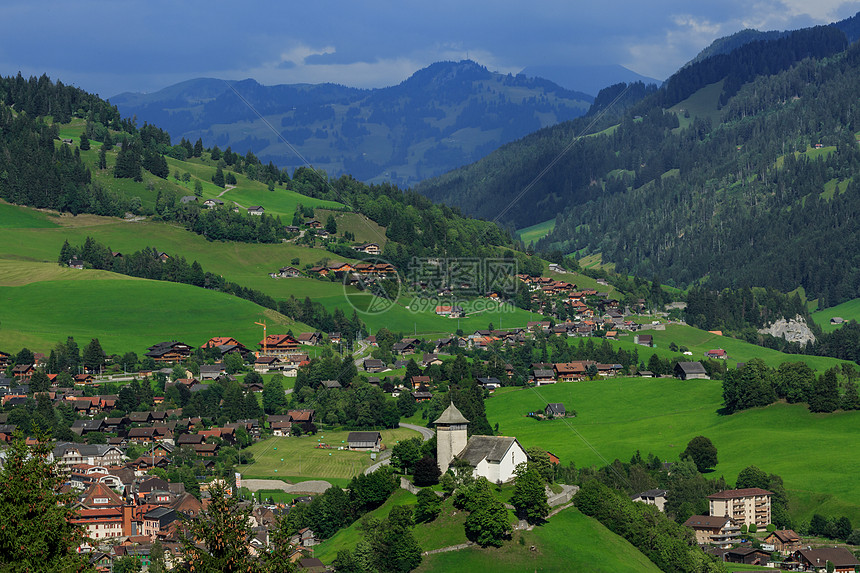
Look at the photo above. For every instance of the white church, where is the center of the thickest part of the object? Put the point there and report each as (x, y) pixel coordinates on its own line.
(493, 457)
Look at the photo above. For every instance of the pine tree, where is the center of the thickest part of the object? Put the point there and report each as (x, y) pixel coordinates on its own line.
(215, 541)
(93, 355)
(36, 529)
(85, 142)
(102, 158)
(218, 178)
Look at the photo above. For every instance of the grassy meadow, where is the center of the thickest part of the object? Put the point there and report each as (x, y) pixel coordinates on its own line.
(570, 541)
(535, 232)
(44, 303)
(700, 341)
(617, 416)
(298, 458)
(848, 310)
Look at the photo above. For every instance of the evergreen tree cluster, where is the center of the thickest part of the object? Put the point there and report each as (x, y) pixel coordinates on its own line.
(756, 385)
(356, 406)
(336, 508)
(42, 97)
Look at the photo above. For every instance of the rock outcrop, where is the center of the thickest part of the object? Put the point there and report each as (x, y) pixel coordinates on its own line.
(793, 330)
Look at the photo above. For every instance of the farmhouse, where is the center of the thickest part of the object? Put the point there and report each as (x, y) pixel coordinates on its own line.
(690, 371)
(287, 273)
(747, 506)
(373, 365)
(450, 311)
(364, 441)
(717, 353)
(643, 340)
(256, 210)
(493, 457)
(784, 540)
(212, 203)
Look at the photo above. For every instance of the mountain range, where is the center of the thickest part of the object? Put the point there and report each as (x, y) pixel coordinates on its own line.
(442, 117)
(690, 183)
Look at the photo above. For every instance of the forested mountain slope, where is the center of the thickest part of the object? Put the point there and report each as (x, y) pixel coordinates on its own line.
(442, 117)
(740, 171)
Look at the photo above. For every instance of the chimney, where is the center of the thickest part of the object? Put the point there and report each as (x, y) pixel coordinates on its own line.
(127, 512)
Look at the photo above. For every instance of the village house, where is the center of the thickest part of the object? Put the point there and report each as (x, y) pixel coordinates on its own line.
(212, 203)
(171, 351)
(555, 410)
(721, 531)
(369, 248)
(816, 559)
(257, 210)
(373, 365)
(784, 540)
(279, 345)
(543, 377)
(310, 338)
(655, 497)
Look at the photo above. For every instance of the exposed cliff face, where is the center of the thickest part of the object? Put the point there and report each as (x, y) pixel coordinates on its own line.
(793, 330)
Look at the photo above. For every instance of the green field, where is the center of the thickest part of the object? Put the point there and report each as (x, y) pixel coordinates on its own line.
(364, 229)
(532, 234)
(299, 458)
(848, 310)
(44, 303)
(245, 263)
(814, 453)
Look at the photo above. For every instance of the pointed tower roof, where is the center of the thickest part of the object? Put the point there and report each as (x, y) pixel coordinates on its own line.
(451, 415)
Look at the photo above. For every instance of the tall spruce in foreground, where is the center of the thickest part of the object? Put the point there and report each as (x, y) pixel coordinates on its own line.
(36, 532)
(216, 541)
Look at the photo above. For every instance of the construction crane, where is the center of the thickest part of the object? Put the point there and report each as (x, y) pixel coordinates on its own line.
(263, 324)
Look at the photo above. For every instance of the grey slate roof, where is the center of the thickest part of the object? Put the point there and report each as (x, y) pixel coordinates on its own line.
(451, 415)
(557, 408)
(363, 439)
(491, 448)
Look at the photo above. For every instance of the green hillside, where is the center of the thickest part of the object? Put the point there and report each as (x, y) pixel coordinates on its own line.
(536, 232)
(39, 236)
(570, 541)
(44, 303)
(617, 416)
(849, 310)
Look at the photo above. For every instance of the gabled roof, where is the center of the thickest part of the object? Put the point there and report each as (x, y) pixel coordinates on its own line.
(707, 521)
(491, 448)
(451, 415)
(363, 437)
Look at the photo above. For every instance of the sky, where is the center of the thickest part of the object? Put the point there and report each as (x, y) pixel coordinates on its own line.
(143, 46)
